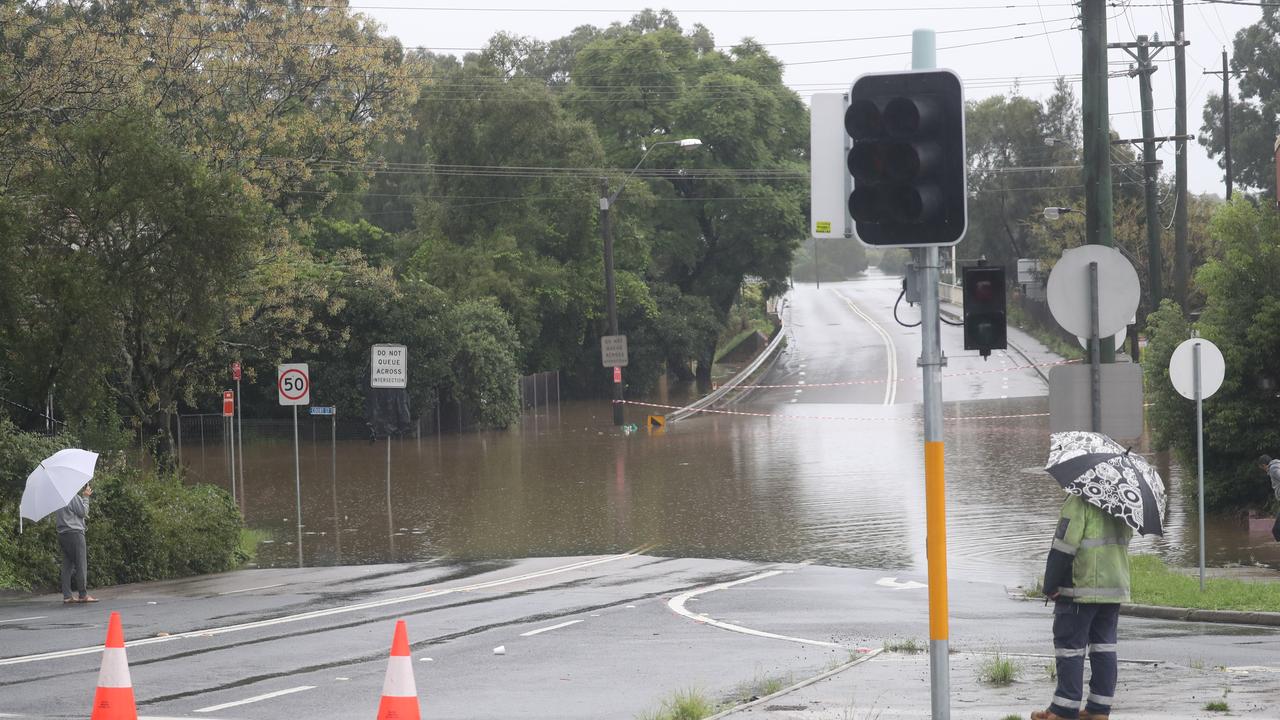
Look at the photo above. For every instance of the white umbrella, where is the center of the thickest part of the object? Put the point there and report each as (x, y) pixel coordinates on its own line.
(57, 479)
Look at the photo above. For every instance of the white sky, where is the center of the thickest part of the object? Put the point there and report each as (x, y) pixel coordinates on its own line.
(1045, 45)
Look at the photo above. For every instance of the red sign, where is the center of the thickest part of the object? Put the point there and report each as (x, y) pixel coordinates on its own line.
(228, 403)
(235, 371)
(617, 375)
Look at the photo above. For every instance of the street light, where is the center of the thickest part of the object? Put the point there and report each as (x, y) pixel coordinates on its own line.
(607, 200)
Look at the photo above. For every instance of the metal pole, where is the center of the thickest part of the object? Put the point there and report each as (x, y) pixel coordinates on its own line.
(333, 478)
(231, 429)
(1097, 137)
(611, 299)
(204, 466)
(923, 57)
(1095, 350)
(817, 267)
(391, 528)
(240, 436)
(1182, 261)
(1195, 378)
(297, 481)
(179, 426)
(1150, 174)
(1226, 118)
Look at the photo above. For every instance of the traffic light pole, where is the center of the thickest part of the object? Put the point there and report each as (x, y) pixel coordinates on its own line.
(924, 57)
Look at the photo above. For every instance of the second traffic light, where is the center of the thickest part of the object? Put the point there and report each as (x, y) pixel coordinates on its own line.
(908, 158)
(985, 323)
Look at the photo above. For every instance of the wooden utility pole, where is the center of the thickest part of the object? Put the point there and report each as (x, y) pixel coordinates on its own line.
(1150, 171)
(1097, 136)
(1225, 72)
(1182, 256)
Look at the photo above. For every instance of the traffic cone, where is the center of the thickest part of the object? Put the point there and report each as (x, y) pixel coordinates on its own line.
(399, 694)
(114, 697)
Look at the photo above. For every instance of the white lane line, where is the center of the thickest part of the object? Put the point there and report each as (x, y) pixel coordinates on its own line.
(260, 587)
(531, 633)
(14, 620)
(341, 610)
(891, 351)
(677, 605)
(256, 698)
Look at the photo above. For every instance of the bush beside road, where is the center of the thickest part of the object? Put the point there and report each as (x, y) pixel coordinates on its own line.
(143, 525)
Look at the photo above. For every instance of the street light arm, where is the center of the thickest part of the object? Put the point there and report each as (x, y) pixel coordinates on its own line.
(649, 149)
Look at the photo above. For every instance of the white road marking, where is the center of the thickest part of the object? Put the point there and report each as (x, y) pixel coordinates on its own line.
(892, 582)
(314, 614)
(531, 633)
(677, 605)
(34, 617)
(256, 698)
(260, 587)
(891, 352)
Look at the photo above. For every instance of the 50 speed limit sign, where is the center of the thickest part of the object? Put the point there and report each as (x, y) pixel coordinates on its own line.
(294, 383)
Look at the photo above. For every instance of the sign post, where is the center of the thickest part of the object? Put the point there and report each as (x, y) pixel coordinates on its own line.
(1197, 370)
(293, 381)
(239, 419)
(228, 424)
(389, 368)
(332, 412)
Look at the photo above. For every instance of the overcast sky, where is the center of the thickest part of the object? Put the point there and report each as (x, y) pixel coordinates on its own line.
(827, 43)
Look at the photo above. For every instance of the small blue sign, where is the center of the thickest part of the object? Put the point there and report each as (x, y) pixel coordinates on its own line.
(324, 410)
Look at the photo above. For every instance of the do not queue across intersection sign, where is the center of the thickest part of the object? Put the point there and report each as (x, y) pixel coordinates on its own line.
(388, 366)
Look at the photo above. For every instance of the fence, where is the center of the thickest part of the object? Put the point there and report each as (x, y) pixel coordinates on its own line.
(540, 390)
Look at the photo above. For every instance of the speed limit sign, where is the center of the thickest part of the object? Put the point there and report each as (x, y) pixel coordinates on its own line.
(294, 383)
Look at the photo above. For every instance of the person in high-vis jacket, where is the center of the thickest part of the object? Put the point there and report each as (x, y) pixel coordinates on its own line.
(1087, 576)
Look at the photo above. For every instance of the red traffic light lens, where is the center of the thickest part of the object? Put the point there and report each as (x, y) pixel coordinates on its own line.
(862, 120)
(984, 291)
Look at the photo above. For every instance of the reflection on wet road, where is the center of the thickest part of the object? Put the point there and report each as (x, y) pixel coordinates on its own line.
(828, 467)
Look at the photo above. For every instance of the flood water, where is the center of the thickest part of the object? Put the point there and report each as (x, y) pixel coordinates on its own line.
(841, 488)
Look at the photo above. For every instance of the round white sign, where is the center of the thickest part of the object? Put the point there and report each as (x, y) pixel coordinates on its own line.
(1068, 290)
(1212, 368)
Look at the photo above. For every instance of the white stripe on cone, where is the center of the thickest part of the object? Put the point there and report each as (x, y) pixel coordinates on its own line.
(399, 679)
(115, 669)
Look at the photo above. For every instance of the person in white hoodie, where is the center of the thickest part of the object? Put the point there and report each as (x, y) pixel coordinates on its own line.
(1272, 469)
(75, 553)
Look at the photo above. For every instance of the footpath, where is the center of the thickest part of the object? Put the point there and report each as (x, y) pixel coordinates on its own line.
(893, 686)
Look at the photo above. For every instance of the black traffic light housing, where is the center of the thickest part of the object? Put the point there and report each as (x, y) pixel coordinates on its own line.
(908, 158)
(985, 322)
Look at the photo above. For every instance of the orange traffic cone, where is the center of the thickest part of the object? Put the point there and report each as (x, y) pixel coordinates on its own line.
(399, 694)
(114, 698)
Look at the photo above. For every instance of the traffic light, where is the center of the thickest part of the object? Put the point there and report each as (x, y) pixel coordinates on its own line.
(985, 324)
(908, 158)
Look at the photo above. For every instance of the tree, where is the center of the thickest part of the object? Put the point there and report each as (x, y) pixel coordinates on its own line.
(135, 249)
(1255, 113)
(1242, 317)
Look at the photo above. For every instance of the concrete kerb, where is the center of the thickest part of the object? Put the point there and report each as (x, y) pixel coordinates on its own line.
(1234, 617)
(802, 684)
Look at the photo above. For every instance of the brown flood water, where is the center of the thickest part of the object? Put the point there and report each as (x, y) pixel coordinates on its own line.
(845, 489)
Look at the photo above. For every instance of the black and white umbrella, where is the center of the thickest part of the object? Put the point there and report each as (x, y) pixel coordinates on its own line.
(1106, 474)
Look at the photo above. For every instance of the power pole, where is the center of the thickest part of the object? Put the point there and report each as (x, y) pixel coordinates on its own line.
(1097, 136)
(1182, 256)
(1225, 72)
(1141, 51)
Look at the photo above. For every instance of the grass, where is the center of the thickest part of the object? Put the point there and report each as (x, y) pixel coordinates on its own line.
(910, 646)
(249, 540)
(683, 705)
(1217, 706)
(759, 687)
(1153, 583)
(1012, 717)
(998, 670)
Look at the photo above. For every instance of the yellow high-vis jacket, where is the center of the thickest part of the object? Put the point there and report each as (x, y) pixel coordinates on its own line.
(1089, 559)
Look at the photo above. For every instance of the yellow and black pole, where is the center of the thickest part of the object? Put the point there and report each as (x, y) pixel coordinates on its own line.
(924, 57)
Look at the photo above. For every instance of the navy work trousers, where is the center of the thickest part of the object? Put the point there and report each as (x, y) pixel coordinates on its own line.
(1079, 628)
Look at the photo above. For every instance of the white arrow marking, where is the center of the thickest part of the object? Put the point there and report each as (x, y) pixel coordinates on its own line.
(892, 582)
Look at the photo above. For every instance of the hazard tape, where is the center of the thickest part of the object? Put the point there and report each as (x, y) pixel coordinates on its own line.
(828, 417)
(847, 383)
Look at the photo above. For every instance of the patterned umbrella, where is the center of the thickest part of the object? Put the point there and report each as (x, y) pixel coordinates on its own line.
(1106, 474)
